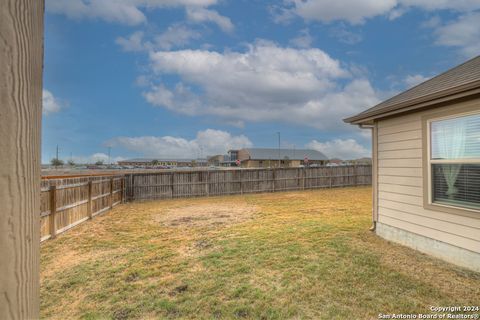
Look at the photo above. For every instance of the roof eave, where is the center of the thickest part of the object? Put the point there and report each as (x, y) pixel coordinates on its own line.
(463, 91)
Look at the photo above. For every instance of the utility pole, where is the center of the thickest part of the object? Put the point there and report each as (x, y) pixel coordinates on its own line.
(279, 161)
(56, 158)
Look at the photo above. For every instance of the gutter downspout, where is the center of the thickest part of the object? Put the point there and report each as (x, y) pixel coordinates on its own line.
(371, 127)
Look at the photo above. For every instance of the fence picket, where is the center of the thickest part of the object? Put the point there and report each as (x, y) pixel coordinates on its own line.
(164, 185)
(79, 199)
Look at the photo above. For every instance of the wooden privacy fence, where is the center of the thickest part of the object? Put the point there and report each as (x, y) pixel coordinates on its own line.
(165, 185)
(68, 202)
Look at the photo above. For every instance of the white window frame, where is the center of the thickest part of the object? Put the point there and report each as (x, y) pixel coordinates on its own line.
(430, 161)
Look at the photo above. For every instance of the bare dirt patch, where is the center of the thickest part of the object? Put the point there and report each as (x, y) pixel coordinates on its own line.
(206, 215)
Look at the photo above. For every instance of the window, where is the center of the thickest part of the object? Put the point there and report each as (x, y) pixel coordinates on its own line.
(454, 161)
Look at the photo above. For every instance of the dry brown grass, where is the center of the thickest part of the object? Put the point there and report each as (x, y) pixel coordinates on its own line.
(205, 215)
(293, 255)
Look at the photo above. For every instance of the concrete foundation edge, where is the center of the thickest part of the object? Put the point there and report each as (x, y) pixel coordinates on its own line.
(455, 255)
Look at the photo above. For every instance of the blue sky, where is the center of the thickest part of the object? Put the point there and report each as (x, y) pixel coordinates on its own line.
(189, 78)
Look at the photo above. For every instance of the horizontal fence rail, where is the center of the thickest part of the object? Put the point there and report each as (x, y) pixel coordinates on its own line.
(68, 202)
(167, 185)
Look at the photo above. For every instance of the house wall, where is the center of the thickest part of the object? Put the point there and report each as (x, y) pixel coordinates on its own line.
(249, 164)
(399, 191)
(261, 164)
(215, 160)
(243, 155)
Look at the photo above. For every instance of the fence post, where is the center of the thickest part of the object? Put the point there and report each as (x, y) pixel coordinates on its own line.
(330, 176)
(303, 176)
(207, 183)
(355, 174)
(111, 193)
(122, 189)
(273, 180)
(89, 205)
(241, 181)
(131, 186)
(172, 184)
(299, 178)
(53, 211)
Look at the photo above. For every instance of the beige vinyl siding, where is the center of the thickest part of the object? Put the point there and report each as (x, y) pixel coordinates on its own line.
(401, 154)
(399, 163)
(401, 136)
(400, 189)
(402, 181)
(400, 145)
(400, 185)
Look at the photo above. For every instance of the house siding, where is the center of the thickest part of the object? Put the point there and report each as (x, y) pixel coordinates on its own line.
(400, 186)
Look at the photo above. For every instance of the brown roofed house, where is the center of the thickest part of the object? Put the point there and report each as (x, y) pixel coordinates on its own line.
(426, 165)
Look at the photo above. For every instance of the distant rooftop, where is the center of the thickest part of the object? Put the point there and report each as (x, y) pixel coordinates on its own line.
(292, 154)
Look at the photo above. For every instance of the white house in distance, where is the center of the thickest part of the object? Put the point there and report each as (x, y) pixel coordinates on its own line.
(426, 165)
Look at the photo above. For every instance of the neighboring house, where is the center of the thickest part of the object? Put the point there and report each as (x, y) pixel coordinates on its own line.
(426, 165)
(216, 160)
(335, 162)
(361, 161)
(274, 158)
(339, 162)
(224, 160)
(152, 163)
(230, 159)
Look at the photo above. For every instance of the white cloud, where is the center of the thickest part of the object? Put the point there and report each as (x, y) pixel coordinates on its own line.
(142, 81)
(396, 13)
(121, 11)
(357, 11)
(50, 103)
(281, 14)
(304, 39)
(133, 43)
(207, 142)
(413, 80)
(99, 157)
(160, 96)
(176, 36)
(124, 12)
(343, 35)
(353, 11)
(198, 14)
(180, 99)
(463, 33)
(431, 5)
(265, 83)
(433, 22)
(343, 149)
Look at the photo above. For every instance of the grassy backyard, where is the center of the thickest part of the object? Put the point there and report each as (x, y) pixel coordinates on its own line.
(301, 255)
